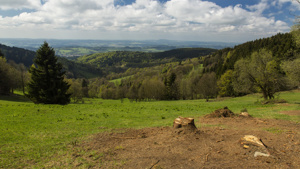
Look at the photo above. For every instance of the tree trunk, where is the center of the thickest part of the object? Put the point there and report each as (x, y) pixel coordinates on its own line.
(23, 85)
(185, 123)
(265, 95)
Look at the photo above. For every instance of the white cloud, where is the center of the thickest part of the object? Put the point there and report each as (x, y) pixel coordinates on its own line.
(19, 4)
(283, 1)
(294, 4)
(260, 7)
(144, 19)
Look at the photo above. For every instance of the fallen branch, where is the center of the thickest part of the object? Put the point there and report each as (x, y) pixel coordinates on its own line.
(154, 164)
(206, 159)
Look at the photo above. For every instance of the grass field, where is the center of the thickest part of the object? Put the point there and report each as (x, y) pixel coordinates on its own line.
(30, 135)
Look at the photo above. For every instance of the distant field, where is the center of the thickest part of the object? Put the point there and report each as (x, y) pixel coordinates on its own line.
(118, 81)
(30, 135)
(81, 51)
(74, 51)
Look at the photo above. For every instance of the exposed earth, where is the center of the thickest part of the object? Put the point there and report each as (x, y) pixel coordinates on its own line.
(216, 144)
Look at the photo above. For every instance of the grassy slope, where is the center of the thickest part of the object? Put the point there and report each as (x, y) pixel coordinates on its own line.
(31, 134)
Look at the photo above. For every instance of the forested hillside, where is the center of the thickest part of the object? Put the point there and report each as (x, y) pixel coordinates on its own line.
(80, 70)
(120, 61)
(282, 46)
(18, 55)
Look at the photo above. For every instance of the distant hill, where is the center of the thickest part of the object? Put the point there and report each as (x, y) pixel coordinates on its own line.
(74, 69)
(80, 70)
(79, 47)
(184, 53)
(18, 55)
(122, 60)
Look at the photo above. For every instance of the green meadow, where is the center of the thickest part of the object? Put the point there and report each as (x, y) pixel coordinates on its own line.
(32, 135)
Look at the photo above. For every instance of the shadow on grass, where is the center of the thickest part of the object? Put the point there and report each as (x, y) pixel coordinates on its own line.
(15, 98)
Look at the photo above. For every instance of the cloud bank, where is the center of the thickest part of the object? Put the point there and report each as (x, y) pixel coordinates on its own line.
(144, 19)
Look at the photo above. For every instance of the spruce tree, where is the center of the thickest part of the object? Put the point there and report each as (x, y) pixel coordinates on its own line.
(1, 54)
(47, 83)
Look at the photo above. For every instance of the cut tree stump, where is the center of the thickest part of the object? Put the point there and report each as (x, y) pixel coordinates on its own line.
(184, 123)
(255, 146)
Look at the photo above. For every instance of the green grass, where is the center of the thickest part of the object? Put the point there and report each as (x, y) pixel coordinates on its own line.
(31, 135)
(74, 51)
(274, 130)
(118, 81)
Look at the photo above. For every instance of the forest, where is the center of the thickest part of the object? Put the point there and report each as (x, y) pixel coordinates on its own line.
(264, 66)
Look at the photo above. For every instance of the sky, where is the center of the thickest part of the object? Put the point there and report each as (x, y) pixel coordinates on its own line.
(186, 20)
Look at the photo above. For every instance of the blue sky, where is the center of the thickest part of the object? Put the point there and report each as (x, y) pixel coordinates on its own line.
(195, 20)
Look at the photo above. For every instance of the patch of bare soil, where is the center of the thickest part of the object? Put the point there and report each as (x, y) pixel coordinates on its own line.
(216, 144)
(291, 112)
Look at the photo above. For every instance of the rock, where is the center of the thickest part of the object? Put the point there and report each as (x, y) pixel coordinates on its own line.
(244, 114)
(256, 154)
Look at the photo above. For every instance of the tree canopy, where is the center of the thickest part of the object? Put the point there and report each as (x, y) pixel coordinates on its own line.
(4, 76)
(260, 71)
(1, 54)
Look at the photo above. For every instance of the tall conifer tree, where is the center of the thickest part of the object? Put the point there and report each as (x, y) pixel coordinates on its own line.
(47, 83)
(1, 54)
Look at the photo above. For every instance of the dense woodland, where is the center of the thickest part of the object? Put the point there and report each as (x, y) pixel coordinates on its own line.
(266, 65)
(282, 46)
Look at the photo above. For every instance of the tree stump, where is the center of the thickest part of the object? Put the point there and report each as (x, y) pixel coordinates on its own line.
(255, 146)
(185, 123)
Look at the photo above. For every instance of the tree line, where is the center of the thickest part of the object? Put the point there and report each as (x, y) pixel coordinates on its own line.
(12, 76)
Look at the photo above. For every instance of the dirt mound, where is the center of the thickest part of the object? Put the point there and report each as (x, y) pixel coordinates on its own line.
(215, 145)
(225, 112)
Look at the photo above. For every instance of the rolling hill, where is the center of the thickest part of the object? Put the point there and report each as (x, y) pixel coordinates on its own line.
(73, 69)
(123, 60)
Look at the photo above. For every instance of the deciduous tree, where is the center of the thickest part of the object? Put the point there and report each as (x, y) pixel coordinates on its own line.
(225, 84)
(260, 71)
(75, 90)
(292, 70)
(172, 89)
(85, 89)
(207, 86)
(4, 76)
